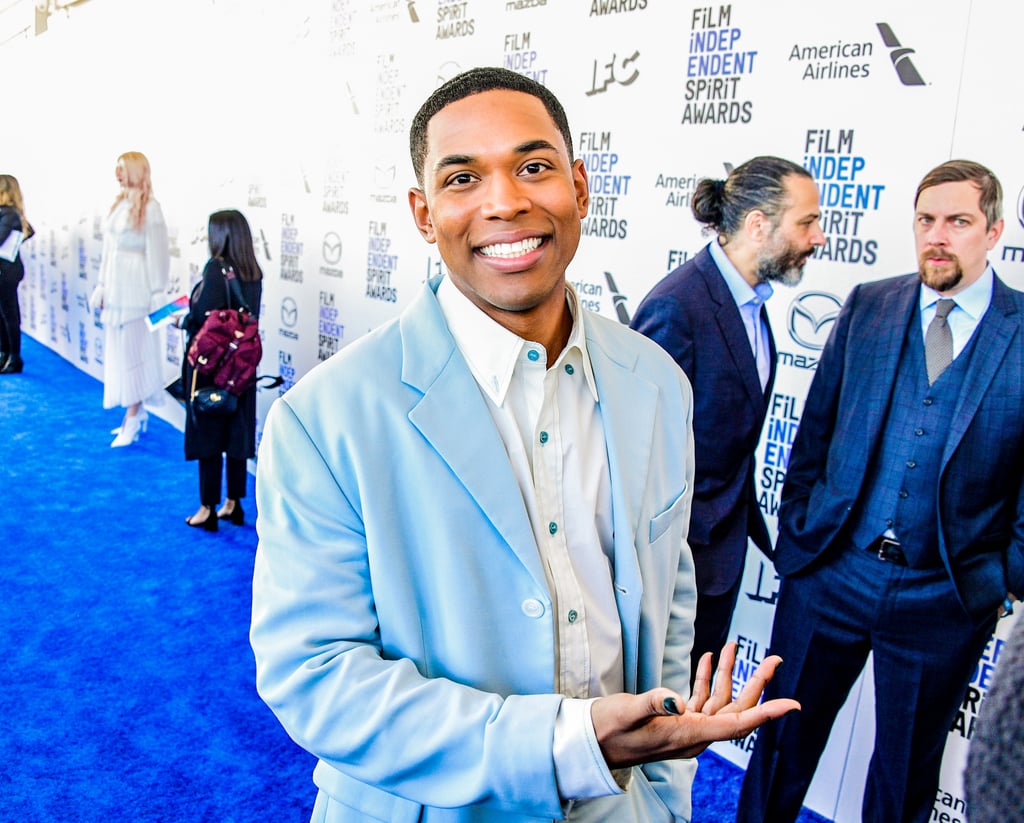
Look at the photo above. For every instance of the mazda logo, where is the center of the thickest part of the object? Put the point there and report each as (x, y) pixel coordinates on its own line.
(811, 317)
(289, 312)
(332, 248)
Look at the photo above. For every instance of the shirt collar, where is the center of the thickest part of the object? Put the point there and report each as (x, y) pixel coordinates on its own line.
(974, 300)
(742, 292)
(492, 351)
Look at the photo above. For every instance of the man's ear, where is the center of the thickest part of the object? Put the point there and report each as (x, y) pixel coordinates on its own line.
(582, 187)
(994, 233)
(757, 226)
(421, 214)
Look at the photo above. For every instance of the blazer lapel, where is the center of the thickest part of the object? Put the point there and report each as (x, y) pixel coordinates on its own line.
(730, 324)
(875, 365)
(628, 405)
(994, 333)
(453, 417)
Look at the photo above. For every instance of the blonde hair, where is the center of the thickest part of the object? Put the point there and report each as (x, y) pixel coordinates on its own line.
(137, 187)
(10, 195)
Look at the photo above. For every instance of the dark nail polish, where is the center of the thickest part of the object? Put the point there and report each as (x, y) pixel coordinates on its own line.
(670, 705)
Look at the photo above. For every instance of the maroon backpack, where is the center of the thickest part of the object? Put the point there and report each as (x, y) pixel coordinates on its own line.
(227, 349)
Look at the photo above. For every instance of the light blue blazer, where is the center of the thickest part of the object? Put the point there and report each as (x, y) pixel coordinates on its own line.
(401, 619)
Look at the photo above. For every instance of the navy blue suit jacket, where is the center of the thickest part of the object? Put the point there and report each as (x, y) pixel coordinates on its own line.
(980, 494)
(692, 314)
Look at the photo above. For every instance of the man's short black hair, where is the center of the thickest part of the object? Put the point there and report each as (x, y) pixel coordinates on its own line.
(475, 81)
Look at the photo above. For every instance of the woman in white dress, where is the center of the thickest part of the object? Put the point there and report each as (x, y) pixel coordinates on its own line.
(133, 278)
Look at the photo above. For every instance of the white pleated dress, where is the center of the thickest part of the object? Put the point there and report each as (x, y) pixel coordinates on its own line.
(133, 274)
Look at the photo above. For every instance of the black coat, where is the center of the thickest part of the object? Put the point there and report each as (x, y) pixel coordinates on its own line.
(11, 271)
(235, 434)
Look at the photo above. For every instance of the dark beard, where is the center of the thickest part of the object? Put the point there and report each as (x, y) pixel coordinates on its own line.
(941, 283)
(786, 268)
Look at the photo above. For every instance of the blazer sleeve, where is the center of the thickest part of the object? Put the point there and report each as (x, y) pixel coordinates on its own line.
(809, 455)
(320, 664)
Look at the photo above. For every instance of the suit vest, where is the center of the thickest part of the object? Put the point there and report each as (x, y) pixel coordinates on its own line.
(900, 489)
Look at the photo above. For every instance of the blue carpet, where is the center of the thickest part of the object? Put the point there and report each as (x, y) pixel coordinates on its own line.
(126, 688)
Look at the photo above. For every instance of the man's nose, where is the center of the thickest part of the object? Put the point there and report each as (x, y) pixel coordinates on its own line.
(504, 197)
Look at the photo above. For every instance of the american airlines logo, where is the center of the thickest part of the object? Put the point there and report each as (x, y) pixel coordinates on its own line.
(900, 57)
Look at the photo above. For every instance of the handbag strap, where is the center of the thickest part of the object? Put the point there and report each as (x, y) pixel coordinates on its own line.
(233, 289)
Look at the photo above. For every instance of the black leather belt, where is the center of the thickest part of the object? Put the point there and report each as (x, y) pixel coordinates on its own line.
(887, 549)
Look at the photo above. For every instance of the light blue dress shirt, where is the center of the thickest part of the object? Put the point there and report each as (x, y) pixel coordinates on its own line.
(750, 301)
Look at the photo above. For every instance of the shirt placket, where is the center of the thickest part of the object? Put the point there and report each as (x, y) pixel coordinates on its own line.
(573, 664)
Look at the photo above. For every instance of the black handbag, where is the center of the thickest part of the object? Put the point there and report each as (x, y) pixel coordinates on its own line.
(212, 401)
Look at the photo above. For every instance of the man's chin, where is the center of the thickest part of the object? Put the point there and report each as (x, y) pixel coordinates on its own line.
(941, 280)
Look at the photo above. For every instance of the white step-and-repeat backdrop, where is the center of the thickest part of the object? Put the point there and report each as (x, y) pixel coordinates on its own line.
(297, 114)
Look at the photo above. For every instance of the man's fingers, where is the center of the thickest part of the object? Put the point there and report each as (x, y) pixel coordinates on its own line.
(731, 725)
(754, 687)
(701, 684)
(722, 694)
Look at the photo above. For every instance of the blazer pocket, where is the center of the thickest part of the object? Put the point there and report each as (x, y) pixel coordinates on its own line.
(661, 523)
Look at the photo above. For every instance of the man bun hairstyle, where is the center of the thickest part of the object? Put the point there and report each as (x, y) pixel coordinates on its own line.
(759, 184)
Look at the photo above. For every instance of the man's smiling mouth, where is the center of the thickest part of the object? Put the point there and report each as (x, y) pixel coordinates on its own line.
(511, 250)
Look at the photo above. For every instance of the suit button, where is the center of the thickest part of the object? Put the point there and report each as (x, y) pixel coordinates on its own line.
(904, 494)
(532, 608)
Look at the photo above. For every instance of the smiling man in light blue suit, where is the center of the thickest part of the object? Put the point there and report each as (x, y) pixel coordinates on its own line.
(473, 599)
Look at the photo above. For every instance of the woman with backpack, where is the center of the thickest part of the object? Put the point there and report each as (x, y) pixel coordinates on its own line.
(209, 437)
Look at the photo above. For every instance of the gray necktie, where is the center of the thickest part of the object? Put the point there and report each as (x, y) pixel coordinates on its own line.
(938, 341)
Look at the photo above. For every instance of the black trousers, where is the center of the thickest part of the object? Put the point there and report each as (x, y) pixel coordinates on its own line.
(10, 311)
(210, 469)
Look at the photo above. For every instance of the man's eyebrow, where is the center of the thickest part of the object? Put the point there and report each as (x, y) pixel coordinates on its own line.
(469, 159)
(453, 160)
(535, 145)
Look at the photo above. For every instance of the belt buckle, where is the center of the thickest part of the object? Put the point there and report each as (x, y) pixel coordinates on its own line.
(886, 547)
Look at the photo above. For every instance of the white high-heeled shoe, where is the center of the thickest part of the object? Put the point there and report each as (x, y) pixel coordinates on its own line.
(129, 432)
(143, 419)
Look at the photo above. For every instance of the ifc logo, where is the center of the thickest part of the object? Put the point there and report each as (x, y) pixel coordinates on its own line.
(811, 317)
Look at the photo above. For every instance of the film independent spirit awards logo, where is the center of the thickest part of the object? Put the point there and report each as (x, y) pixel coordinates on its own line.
(811, 317)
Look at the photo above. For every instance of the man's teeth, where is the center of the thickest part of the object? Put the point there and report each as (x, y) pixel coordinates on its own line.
(511, 249)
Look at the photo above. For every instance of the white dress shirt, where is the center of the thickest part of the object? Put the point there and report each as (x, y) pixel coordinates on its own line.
(550, 422)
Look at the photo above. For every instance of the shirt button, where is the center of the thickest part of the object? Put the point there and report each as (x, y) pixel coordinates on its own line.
(543, 437)
(533, 355)
(532, 608)
(569, 369)
(572, 615)
(928, 401)
(904, 494)
(552, 527)
(911, 464)
(919, 431)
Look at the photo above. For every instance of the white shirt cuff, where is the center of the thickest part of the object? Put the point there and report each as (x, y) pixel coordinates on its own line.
(580, 768)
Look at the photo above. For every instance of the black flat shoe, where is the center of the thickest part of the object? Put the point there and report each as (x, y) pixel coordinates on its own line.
(210, 524)
(237, 516)
(12, 365)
